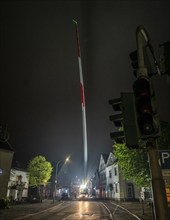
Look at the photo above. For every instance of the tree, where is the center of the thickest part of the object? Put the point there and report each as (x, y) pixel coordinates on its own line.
(133, 164)
(39, 171)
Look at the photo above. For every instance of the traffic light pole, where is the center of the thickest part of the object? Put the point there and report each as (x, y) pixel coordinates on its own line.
(158, 185)
(140, 34)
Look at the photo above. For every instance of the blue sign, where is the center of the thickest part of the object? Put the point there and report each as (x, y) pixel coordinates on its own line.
(164, 159)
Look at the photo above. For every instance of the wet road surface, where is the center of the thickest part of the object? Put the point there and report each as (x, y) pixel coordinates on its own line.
(73, 210)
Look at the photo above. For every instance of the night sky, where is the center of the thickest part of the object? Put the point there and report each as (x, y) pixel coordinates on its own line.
(40, 85)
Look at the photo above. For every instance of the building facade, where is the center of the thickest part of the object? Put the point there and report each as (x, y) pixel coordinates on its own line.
(18, 185)
(6, 157)
(102, 175)
(111, 184)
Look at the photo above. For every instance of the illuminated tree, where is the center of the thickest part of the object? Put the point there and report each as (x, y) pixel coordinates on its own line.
(39, 171)
(133, 164)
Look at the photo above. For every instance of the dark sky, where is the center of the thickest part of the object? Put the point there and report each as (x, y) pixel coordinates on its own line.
(39, 85)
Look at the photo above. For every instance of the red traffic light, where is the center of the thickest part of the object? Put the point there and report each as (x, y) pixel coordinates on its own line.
(141, 87)
(143, 102)
(143, 93)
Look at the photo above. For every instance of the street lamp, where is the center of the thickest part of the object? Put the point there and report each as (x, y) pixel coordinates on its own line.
(67, 159)
(57, 172)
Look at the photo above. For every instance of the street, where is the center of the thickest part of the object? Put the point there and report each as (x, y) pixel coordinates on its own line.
(72, 210)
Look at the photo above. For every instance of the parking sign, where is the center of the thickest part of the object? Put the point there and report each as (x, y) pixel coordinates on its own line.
(164, 159)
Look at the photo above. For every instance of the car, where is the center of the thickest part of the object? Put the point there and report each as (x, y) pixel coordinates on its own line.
(83, 196)
(64, 196)
(34, 199)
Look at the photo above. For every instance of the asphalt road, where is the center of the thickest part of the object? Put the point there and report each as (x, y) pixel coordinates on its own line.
(73, 210)
(69, 210)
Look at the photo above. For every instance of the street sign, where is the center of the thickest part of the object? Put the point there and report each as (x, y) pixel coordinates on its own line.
(164, 159)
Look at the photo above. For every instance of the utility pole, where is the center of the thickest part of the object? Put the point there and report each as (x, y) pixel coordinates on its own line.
(158, 185)
(149, 130)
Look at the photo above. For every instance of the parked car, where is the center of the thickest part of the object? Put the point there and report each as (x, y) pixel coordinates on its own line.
(34, 199)
(33, 195)
(64, 196)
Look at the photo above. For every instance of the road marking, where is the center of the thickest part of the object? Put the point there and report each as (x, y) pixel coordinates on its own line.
(111, 216)
(118, 206)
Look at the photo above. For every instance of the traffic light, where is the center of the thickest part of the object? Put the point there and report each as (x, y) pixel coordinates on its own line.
(146, 112)
(118, 136)
(124, 120)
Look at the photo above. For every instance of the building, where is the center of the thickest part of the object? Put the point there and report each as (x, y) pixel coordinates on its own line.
(102, 175)
(18, 185)
(6, 157)
(108, 182)
(95, 184)
(112, 171)
(118, 187)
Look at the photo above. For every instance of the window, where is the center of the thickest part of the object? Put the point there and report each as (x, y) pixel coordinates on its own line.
(19, 178)
(111, 159)
(110, 174)
(116, 188)
(115, 171)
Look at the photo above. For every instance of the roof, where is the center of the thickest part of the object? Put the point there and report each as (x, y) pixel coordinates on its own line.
(111, 159)
(105, 157)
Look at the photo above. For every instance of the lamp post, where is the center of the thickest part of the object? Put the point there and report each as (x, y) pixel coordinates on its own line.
(56, 174)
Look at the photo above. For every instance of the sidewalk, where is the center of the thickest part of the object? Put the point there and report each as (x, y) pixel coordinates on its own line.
(143, 211)
(19, 210)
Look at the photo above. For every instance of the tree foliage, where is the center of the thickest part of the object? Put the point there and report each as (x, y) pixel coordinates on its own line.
(133, 164)
(39, 171)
